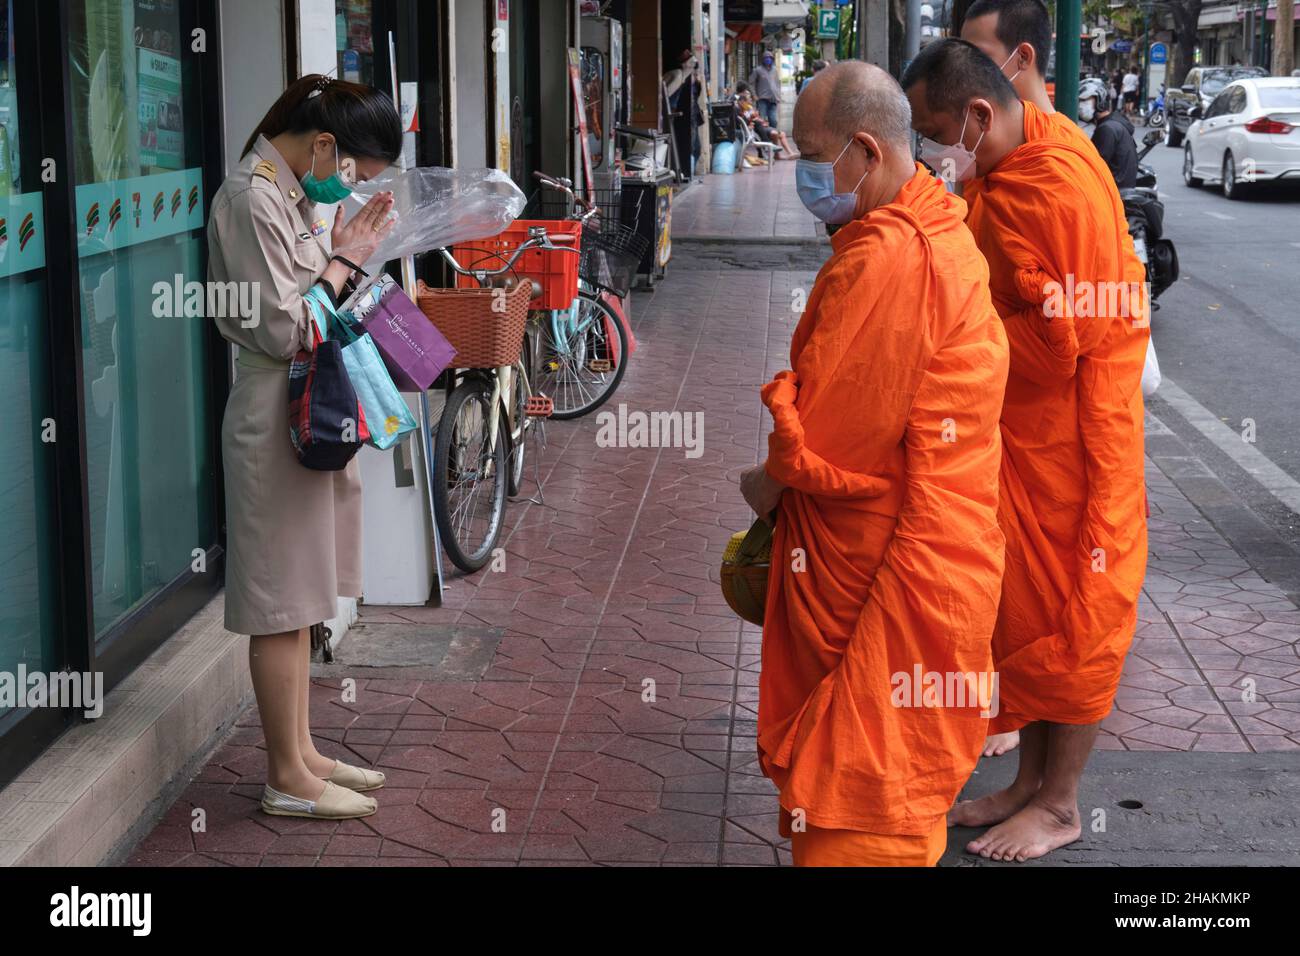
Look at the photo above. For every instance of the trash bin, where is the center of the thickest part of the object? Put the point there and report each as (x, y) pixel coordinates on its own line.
(722, 122)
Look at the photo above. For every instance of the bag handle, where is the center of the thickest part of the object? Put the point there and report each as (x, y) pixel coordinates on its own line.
(329, 316)
(320, 320)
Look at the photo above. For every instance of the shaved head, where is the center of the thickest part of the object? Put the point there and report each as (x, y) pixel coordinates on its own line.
(1012, 22)
(850, 97)
(954, 73)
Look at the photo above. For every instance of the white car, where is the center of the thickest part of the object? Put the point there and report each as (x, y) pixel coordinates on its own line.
(1249, 133)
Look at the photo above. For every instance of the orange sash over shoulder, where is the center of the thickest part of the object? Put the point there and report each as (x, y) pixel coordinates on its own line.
(1070, 290)
(887, 557)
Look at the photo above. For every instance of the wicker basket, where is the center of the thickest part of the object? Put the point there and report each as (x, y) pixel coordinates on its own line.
(484, 336)
(745, 566)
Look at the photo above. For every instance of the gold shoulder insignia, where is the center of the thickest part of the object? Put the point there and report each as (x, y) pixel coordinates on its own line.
(265, 169)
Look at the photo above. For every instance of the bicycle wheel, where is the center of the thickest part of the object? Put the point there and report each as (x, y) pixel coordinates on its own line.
(519, 424)
(469, 477)
(578, 371)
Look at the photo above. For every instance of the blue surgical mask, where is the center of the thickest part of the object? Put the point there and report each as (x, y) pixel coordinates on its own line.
(815, 183)
(331, 189)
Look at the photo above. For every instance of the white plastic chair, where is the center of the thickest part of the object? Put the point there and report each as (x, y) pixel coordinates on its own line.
(761, 145)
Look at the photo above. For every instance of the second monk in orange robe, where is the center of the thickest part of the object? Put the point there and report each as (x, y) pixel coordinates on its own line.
(1069, 288)
(887, 557)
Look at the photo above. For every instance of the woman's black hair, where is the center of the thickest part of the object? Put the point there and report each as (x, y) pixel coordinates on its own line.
(362, 119)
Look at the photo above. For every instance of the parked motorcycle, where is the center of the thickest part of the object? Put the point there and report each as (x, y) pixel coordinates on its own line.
(1156, 118)
(1146, 214)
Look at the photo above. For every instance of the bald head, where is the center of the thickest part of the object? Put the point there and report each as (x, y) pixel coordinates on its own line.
(850, 97)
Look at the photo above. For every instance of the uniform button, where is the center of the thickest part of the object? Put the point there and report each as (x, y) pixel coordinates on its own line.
(293, 194)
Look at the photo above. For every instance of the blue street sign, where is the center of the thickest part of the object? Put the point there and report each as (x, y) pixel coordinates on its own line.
(1122, 46)
(1159, 53)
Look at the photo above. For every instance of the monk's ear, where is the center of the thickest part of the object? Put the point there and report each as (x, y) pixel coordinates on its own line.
(981, 111)
(871, 145)
(1026, 57)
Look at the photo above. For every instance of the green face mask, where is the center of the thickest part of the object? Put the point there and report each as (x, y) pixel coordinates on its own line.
(332, 189)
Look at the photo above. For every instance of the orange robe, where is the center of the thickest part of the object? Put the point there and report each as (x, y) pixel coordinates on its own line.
(887, 556)
(1051, 225)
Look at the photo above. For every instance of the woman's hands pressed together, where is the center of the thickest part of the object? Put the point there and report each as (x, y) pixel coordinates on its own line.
(357, 238)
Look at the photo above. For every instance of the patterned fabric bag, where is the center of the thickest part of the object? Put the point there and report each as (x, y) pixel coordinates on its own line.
(326, 423)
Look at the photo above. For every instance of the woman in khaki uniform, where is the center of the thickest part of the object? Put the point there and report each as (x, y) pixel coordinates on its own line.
(293, 534)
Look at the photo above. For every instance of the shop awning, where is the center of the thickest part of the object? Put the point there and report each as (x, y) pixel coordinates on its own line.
(1213, 16)
(746, 32)
(784, 11)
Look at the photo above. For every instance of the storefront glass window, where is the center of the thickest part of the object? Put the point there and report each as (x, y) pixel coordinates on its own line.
(354, 33)
(27, 562)
(140, 217)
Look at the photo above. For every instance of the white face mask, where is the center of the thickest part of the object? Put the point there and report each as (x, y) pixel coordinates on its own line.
(954, 163)
(1087, 110)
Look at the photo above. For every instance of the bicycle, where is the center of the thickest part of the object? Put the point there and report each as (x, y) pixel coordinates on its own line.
(479, 448)
(585, 348)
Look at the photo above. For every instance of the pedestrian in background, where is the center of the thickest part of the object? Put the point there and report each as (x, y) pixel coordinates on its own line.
(817, 67)
(767, 88)
(1129, 89)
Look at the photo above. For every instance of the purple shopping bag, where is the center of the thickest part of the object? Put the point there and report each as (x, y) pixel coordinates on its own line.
(413, 349)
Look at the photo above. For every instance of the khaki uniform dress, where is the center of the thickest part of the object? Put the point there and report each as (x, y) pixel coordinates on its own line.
(293, 534)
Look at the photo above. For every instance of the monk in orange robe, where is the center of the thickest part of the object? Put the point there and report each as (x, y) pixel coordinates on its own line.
(1018, 35)
(1070, 290)
(882, 469)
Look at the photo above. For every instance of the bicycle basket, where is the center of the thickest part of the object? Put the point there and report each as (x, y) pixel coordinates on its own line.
(611, 250)
(485, 325)
(611, 256)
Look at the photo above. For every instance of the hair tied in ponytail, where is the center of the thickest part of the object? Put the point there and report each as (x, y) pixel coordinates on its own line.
(362, 119)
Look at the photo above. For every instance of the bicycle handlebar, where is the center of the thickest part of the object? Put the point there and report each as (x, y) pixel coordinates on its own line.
(565, 186)
(539, 240)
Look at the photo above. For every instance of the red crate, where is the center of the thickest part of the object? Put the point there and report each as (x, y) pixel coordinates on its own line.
(555, 269)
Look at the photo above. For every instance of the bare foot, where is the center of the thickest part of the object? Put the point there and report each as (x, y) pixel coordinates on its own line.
(992, 809)
(995, 745)
(1033, 832)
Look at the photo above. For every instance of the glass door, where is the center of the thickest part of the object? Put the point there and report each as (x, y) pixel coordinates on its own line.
(140, 214)
(28, 564)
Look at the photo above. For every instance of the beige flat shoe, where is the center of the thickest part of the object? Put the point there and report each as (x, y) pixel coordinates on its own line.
(356, 779)
(336, 803)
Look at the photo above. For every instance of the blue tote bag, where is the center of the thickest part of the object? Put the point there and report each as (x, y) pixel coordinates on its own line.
(387, 415)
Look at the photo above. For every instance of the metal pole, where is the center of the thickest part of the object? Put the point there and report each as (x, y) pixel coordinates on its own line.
(1263, 32)
(718, 59)
(1146, 46)
(1069, 21)
(912, 39)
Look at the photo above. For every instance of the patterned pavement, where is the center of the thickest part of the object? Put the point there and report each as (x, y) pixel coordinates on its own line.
(616, 722)
(758, 203)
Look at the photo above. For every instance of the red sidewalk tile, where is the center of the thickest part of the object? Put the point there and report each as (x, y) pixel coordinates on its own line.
(560, 755)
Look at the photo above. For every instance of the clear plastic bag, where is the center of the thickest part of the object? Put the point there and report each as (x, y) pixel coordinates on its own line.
(435, 206)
